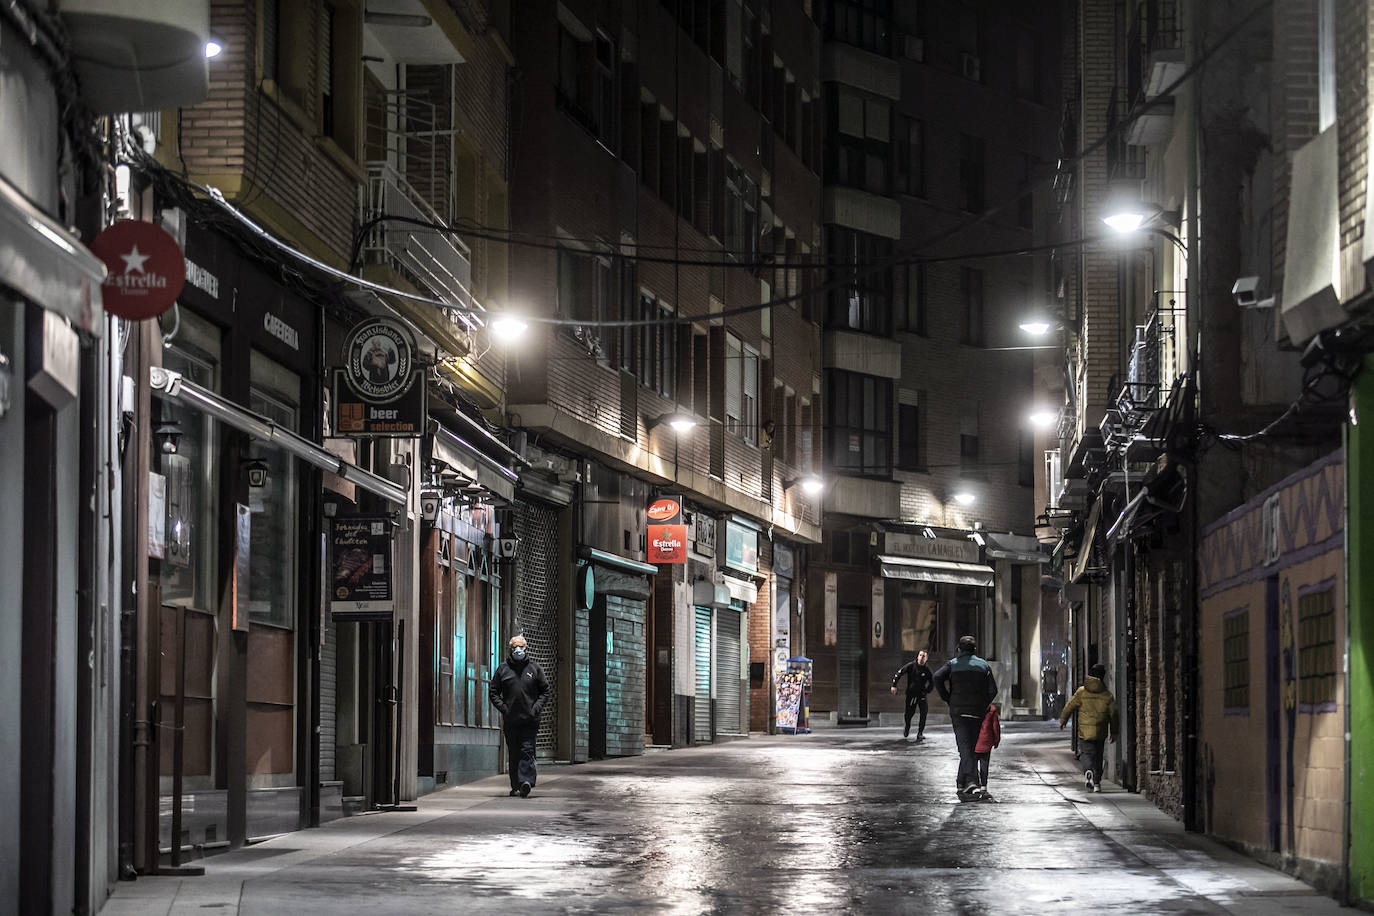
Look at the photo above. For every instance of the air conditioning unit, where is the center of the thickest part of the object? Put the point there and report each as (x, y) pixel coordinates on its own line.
(972, 67)
(914, 48)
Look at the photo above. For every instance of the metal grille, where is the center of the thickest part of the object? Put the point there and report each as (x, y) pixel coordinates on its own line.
(727, 672)
(701, 724)
(536, 604)
(329, 692)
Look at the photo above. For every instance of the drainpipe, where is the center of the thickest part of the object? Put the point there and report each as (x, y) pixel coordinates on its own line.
(1346, 833)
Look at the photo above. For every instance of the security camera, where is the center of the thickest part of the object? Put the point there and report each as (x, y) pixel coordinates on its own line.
(1245, 292)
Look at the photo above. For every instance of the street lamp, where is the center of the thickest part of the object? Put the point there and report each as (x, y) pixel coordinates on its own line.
(506, 327)
(213, 47)
(1126, 215)
(964, 497)
(1036, 327)
(811, 484)
(1042, 417)
(680, 422)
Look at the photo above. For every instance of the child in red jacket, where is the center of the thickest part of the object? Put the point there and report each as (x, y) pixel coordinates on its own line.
(989, 736)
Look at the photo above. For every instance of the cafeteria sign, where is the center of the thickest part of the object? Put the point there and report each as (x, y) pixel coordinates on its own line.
(667, 533)
(360, 584)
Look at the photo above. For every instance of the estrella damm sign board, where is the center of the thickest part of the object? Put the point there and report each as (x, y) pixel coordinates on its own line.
(667, 534)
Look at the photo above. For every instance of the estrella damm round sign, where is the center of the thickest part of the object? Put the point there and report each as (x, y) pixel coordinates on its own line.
(379, 356)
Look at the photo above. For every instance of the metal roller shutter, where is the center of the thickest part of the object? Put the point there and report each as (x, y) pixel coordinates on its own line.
(850, 652)
(536, 604)
(727, 672)
(701, 724)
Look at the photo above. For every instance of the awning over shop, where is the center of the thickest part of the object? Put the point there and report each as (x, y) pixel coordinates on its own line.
(1079, 565)
(935, 571)
(742, 589)
(171, 385)
(615, 562)
(1014, 547)
(465, 459)
(43, 262)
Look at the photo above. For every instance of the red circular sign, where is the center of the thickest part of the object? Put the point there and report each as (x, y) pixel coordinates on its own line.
(664, 509)
(146, 269)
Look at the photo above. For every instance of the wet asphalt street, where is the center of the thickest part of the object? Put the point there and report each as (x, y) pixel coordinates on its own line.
(852, 820)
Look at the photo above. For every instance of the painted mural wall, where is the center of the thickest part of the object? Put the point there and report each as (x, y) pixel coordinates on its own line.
(1271, 577)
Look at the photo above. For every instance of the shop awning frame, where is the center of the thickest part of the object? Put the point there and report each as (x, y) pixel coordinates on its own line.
(1079, 565)
(466, 459)
(918, 570)
(617, 562)
(169, 384)
(741, 589)
(43, 262)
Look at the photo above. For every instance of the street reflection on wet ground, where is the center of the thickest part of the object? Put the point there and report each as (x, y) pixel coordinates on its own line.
(859, 820)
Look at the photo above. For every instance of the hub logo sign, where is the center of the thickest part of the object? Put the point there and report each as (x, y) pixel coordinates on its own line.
(667, 531)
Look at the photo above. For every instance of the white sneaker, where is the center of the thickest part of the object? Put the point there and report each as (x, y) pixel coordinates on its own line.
(1088, 780)
(1097, 787)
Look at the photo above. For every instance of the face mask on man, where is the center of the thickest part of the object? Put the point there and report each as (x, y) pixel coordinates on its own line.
(517, 653)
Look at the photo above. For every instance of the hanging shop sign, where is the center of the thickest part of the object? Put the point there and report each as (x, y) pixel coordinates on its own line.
(379, 391)
(243, 566)
(667, 533)
(832, 605)
(879, 606)
(741, 547)
(146, 269)
(360, 585)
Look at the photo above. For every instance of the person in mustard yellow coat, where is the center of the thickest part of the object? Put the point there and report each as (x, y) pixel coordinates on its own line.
(1097, 723)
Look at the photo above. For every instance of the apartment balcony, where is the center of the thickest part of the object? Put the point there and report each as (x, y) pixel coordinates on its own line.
(853, 66)
(437, 262)
(863, 497)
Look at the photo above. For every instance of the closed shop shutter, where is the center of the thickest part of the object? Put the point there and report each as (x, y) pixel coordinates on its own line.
(624, 676)
(536, 605)
(850, 652)
(329, 692)
(701, 719)
(727, 672)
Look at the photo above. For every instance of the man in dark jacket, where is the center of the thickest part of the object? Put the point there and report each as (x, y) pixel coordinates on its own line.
(967, 685)
(918, 684)
(518, 689)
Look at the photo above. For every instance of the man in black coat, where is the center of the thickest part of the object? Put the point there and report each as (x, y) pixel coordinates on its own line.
(967, 685)
(918, 684)
(518, 689)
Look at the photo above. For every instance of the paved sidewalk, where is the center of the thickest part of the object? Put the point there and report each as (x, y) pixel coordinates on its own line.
(848, 820)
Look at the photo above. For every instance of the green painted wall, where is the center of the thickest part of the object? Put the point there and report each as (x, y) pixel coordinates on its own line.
(1360, 534)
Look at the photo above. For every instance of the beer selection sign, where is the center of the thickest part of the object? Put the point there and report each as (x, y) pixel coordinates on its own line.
(667, 531)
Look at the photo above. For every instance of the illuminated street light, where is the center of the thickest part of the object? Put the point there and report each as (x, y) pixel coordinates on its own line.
(1036, 327)
(811, 484)
(213, 48)
(507, 328)
(680, 422)
(1042, 417)
(964, 497)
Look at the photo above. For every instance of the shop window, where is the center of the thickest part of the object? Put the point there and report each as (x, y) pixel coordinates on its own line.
(1235, 658)
(187, 569)
(968, 617)
(859, 408)
(272, 559)
(1318, 660)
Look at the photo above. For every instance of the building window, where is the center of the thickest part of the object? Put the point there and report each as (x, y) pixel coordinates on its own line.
(1025, 459)
(858, 142)
(586, 79)
(968, 445)
(859, 298)
(909, 297)
(865, 24)
(741, 223)
(657, 346)
(972, 168)
(859, 408)
(1027, 66)
(971, 287)
(909, 151)
(1318, 663)
(1025, 204)
(575, 298)
(911, 435)
(271, 40)
(1235, 655)
(741, 389)
(275, 394)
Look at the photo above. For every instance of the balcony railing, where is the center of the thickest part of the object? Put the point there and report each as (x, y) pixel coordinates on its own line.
(435, 260)
(1154, 362)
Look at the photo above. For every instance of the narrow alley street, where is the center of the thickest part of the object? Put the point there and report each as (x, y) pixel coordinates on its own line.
(851, 820)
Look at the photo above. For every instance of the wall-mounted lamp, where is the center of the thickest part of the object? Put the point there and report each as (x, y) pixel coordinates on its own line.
(257, 472)
(506, 327)
(1043, 417)
(1126, 215)
(213, 47)
(811, 484)
(168, 435)
(964, 496)
(680, 421)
